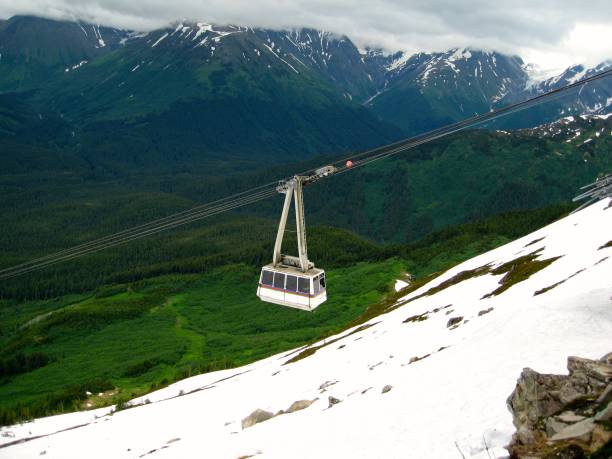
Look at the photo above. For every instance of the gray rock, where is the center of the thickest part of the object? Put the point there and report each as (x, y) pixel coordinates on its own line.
(576, 364)
(605, 415)
(299, 405)
(525, 436)
(386, 389)
(535, 397)
(256, 417)
(606, 396)
(600, 371)
(333, 401)
(543, 411)
(596, 372)
(484, 311)
(569, 417)
(581, 431)
(554, 426)
(607, 358)
(454, 321)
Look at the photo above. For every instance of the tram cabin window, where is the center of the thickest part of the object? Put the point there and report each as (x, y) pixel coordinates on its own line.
(291, 283)
(303, 285)
(279, 280)
(267, 277)
(322, 281)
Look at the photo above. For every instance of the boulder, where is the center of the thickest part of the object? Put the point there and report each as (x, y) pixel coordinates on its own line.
(559, 416)
(554, 426)
(535, 396)
(333, 401)
(386, 389)
(299, 405)
(606, 396)
(454, 321)
(256, 417)
(607, 358)
(569, 417)
(596, 374)
(525, 436)
(605, 414)
(581, 431)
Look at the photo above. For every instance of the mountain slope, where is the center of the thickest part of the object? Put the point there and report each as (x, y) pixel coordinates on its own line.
(425, 91)
(429, 377)
(35, 50)
(178, 97)
(594, 98)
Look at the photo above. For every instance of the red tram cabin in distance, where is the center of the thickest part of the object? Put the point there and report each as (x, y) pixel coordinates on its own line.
(288, 280)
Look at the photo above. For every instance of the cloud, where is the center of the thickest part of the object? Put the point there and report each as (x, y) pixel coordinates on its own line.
(553, 33)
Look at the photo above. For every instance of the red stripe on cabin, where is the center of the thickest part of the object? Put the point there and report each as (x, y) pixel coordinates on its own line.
(291, 292)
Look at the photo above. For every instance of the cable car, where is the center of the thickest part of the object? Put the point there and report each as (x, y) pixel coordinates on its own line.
(294, 281)
(288, 286)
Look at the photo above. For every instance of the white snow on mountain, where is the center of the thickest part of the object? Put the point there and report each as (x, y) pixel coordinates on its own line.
(428, 379)
(570, 127)
(537, 75)
(398, 63)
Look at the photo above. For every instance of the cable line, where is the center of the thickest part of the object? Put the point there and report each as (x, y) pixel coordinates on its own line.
(63, 256)
(268, 190)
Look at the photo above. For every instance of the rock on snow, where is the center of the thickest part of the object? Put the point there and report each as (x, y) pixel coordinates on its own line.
(449, 402)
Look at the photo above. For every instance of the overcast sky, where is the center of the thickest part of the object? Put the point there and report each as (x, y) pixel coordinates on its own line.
(551, 33)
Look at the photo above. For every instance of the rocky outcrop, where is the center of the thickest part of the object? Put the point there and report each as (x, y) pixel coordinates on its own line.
(256, 417)
(260, 415)
(299, 405)
(559, 416)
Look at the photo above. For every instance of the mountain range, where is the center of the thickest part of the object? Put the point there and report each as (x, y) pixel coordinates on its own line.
(290, 93)
(104, 129)
(197, 110)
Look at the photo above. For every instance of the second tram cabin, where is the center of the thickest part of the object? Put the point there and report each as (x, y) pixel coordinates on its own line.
(288, 286)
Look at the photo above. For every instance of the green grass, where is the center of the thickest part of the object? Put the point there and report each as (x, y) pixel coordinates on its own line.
(191, 307)
(144, 335)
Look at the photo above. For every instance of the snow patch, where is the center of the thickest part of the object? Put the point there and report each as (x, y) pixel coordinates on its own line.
(460, 54)
(272, 51)
(399, 63)
(159, 40)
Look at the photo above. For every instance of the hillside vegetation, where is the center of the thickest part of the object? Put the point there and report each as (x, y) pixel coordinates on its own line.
(161, 321)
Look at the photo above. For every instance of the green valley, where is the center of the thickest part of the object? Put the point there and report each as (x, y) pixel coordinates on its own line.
(124, 338)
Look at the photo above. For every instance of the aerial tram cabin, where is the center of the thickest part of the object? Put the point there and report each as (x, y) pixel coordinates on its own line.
(288, 280)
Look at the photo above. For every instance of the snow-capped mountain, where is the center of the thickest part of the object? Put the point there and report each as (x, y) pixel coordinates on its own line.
(489, 75)
(150, 72)
(333, 58)
(426, 90)
(581, 129)
(428, 377)
(594, 98)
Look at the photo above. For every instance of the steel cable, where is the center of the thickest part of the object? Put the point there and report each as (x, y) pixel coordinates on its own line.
(265, 191)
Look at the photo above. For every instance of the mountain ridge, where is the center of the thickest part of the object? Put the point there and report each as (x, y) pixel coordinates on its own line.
(414, 92)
